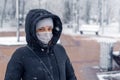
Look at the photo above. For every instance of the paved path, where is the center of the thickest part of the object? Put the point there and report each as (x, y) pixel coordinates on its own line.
(84, 53)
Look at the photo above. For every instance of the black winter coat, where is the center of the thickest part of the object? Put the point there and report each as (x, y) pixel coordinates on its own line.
(31, 61)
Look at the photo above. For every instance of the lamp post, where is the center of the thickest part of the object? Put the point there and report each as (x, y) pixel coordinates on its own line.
(17, 17)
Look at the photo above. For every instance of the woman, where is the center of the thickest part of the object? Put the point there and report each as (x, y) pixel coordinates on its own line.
(41, 58)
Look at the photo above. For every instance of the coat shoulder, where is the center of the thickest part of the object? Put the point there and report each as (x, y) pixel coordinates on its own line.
(20, 52)
(60, 48)
(60, 51)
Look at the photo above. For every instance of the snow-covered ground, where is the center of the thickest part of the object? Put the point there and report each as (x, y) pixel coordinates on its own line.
(110, 32)
(113, 75)
(12, 41)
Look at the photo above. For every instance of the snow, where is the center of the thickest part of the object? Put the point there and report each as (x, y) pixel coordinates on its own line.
(93, 28)
(108, 33)
(12, 41)
(113, 75)
(116, 53)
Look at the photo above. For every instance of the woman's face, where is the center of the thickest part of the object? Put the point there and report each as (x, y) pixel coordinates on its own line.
(44, 34)
(44, 29)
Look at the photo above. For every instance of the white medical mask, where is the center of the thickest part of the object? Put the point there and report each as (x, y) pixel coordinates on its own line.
(44, 37)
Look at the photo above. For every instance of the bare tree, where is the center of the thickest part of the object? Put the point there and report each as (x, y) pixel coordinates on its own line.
(108, 14)
(3, 13)
(21, 11)
(119, 20)
(67, 13)
(88, 9)
(100, 4)
(99, 11)
(13, 10)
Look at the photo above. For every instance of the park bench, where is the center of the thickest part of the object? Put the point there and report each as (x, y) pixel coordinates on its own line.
(89, 28)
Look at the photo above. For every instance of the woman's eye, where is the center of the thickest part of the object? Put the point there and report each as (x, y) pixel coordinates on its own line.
(40, 30)
(50, 29)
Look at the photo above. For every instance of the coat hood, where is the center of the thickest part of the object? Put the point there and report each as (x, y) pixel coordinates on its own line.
(32, 19)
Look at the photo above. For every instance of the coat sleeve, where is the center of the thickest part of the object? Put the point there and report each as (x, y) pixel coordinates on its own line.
(14, 69)
(70, 75)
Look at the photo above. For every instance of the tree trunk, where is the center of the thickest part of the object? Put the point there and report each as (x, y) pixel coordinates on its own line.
(3, 13)
(88, 8)
(67, 14)
(13, 9)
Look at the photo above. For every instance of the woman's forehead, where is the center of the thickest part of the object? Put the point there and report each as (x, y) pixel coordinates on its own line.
(44, 22)
(45, 27)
